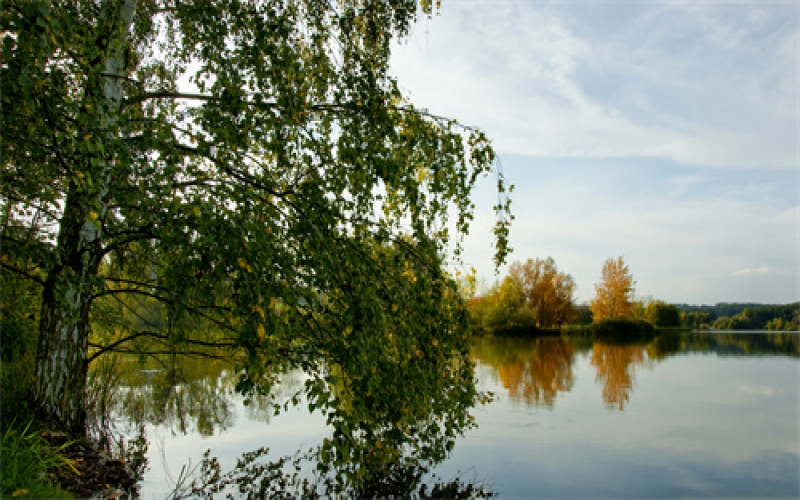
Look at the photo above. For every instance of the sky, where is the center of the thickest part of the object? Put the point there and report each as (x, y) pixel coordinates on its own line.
(664, 132)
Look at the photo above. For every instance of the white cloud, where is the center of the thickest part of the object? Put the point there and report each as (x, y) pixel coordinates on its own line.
(762, 390)
(711, 85)
(757, 271)
(683, 231)
(607, 115)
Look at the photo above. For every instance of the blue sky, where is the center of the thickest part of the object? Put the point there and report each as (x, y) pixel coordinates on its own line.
(666, 132)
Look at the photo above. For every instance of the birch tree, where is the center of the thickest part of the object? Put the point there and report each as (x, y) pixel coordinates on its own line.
(250, 164)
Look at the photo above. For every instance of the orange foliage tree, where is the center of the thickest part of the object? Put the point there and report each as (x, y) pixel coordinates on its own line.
(614, 293)
(548, 292)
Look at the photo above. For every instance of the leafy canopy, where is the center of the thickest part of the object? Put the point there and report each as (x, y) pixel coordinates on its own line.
(614, 293)
(250, 166)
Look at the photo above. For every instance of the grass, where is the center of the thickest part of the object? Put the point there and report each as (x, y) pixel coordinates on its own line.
(26, 461)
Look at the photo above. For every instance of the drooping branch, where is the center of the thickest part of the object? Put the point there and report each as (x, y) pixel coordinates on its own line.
(167, 95)
(25, 274)
(102, 349)
(132, 237)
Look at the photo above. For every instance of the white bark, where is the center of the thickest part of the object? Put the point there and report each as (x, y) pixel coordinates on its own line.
(61, 364)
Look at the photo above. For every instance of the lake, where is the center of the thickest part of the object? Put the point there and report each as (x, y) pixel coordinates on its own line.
(691, 415)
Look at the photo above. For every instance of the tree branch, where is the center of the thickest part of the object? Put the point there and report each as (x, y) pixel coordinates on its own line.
(25, 274)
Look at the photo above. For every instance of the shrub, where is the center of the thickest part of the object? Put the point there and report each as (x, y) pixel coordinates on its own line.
(622, 329)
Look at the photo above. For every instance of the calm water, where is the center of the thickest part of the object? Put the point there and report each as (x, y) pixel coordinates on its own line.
(697, 415)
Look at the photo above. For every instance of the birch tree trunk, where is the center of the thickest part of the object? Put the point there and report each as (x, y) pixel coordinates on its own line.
(61, 361)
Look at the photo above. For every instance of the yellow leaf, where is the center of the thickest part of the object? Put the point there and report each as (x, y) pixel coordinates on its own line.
(196, 211)
(242, 262)
(261, 331)
(395, 307)
(93, 215)
(20, 493)
(435, 342)
(273, 302)
(87, 137)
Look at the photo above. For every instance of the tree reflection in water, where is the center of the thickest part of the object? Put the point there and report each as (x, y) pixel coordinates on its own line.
(538, 379)
(615, 367)
(413, 426)
(534, 371)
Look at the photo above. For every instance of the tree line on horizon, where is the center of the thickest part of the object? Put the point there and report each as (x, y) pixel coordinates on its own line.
(536, 295)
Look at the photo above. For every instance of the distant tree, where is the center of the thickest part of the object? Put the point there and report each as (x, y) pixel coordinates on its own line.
(584, 314)
(741, 321)
(662, 314)
(548, 292)
(696, 319)
(614, 292)
(721, 323)
(639, 310)
(505, 306)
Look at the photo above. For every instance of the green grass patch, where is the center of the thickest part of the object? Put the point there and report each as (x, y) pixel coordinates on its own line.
(27, 460)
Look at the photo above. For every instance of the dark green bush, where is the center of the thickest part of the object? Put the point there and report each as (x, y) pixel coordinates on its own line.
(622, 329)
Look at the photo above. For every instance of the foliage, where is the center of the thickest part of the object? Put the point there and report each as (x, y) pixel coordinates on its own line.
(696, 320)
(785, 318)
(548, 292)
(27, 461)
(584, 314)
(533, 295)
(662, 314)
(292, 199)
(18, 324)
(730, 309)
(503, 308)
(622, 329)
(613, 299)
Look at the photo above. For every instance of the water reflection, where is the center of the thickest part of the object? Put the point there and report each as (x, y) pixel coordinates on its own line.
(615, 368)
(535, 371)
(390, 453)
(402, 445)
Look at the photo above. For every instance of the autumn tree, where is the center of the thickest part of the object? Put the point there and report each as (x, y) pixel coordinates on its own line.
(548, 292)
(614, 293)
(251, 165)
